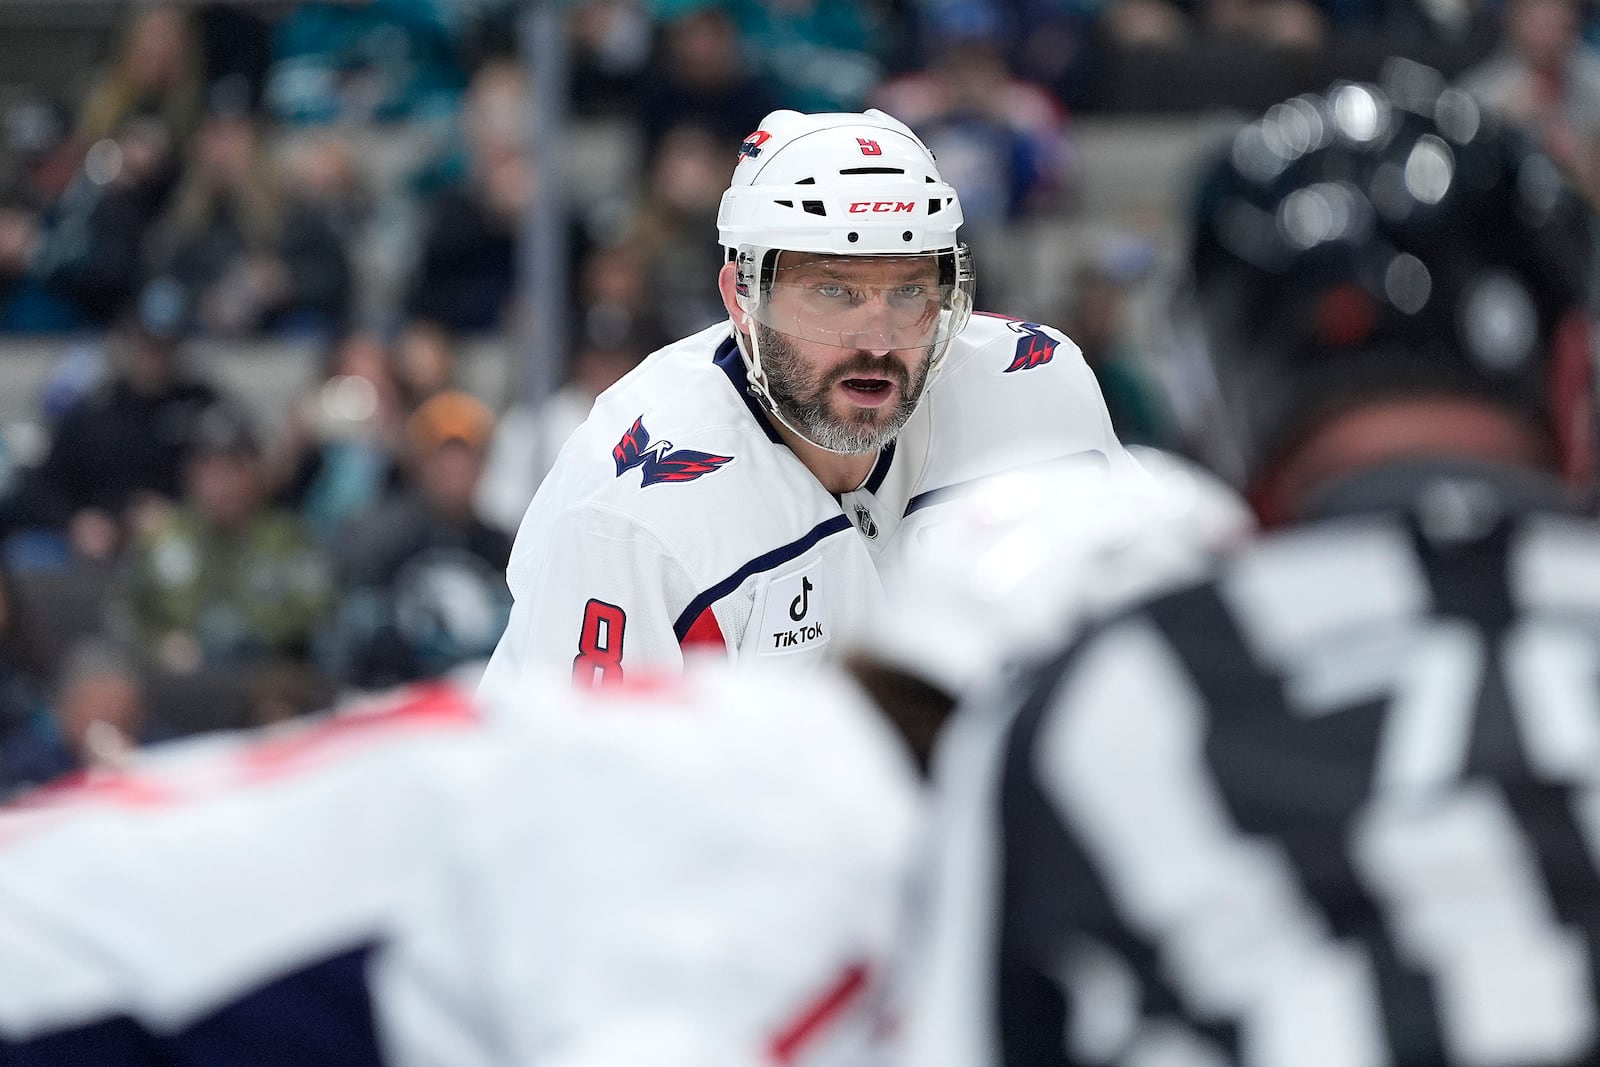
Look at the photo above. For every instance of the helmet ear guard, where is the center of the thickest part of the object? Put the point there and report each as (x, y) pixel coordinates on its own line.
(747, 263)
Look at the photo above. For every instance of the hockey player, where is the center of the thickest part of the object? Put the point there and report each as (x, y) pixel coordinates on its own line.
(736, 491)
(700, 870)
(1333, 804)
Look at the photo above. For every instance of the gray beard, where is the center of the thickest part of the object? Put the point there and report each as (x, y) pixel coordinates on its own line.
(803, 400)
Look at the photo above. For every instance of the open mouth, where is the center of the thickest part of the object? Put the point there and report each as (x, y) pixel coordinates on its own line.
(869, 392)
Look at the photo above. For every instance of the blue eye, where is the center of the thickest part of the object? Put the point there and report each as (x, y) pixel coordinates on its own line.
(911, 295)
(832, 292)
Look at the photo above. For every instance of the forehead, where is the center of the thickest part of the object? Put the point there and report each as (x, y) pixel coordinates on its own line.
(805, 266)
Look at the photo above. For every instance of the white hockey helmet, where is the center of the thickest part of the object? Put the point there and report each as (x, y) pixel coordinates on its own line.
(846, 184)
(839, 183)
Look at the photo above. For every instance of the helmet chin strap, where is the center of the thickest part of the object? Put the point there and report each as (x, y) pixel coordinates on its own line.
(750, 349)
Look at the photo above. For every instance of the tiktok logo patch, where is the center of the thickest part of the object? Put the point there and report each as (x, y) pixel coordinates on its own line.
(801, 606)
(794, 618)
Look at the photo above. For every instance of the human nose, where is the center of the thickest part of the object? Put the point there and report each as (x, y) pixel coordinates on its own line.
(877, 323)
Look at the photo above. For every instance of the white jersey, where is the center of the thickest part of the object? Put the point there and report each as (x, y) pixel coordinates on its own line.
(676, 517)
(705, 871)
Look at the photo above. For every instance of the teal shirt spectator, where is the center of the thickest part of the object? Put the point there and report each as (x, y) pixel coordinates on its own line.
(821, 56)
(382, 61)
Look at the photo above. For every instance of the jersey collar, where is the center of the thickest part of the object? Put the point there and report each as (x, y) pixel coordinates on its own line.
(731, 363)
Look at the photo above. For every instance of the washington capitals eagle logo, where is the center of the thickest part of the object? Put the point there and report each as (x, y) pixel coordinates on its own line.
(660, 461)
(751, 148)
(1034, 348)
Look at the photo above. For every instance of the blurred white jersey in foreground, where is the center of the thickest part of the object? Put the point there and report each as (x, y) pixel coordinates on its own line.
(703, 871)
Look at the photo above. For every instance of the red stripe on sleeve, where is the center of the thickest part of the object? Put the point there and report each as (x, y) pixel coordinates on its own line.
(788, 1042)
(705, 635)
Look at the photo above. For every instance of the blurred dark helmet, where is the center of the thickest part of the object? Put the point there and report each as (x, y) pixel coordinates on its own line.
(1387, 242)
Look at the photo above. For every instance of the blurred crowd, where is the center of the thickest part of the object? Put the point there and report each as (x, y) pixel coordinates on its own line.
(357, 176)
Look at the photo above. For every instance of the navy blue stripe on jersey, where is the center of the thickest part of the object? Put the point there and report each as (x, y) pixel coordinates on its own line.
(933, 496)
(764, 562)
(731, 363)
(880, 469)
(317, 1016)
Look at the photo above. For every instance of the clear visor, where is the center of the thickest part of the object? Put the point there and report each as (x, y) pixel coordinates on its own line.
(868, 303)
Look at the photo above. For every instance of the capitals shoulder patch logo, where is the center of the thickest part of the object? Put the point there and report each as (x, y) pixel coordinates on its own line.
(659, 461)
(1035, 348)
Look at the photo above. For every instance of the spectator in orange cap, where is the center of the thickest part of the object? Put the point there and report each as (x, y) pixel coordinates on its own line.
(425, 576)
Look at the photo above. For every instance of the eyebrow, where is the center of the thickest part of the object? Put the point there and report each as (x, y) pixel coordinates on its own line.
(911, 270)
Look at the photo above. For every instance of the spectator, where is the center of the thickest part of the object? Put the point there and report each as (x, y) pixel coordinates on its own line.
(701, 77)
(611, 41)
(425, 576)
(26, 305)
(386, 75)
(364, 61)
(1545, 79)
(250, 258)
(224, 580)
(688, 172)
(1061, 49)
(96, 716)
(38, 156)
(329, 205)
(341, 453)
(321, 170)
(1098, 321)
(820, 55)
(157, 74)
(92, 249)
(117, 455)
(424, 361)
(614, 292)
(36, 164)
(467, 274)
(1003, 141)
